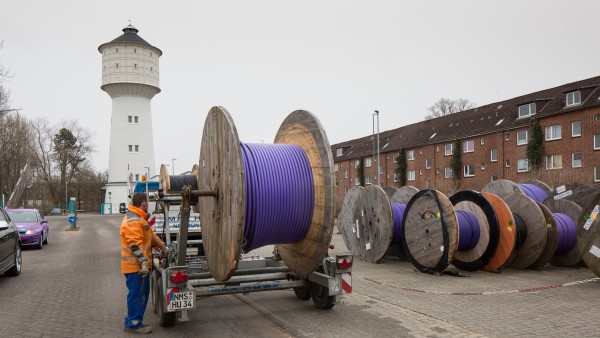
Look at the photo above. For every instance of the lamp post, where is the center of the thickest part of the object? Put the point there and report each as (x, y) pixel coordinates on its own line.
(66, 194)
(378, 171)
(173, 165)
(147, 177)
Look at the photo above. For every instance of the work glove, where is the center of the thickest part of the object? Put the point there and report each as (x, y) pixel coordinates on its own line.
(164, 251)
(144, 269)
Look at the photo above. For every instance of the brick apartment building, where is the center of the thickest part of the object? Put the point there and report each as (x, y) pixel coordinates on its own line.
(493, 142)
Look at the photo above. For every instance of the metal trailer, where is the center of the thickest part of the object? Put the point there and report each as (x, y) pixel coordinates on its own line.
(180, 280)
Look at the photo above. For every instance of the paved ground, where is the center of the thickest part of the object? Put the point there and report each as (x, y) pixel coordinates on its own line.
(73, 288)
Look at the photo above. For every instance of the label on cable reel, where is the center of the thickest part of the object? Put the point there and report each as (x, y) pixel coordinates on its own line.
(593, 216)
(563, 195)
(368, 246)
(594, 250)
(356, 231)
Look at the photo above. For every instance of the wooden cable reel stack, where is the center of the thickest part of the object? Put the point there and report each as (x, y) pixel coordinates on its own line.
(367, 220)
(222, 170)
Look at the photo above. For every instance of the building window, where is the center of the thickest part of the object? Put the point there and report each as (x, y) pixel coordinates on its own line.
(469, 146)
(396, 177)
(137, 177)
(522, 165)
(136, 119)
(575, 128)
(469, 170)
(596, 141)
(356, 181)
(129, 119)
(573, 98)
(507, 163)
(150, 68)
(410, 155)
(447, 172)
(137, 148)
(494, 178)
(135, 65)
(396, 157)
(448, 149)
(346, 173)
(356, 163)
(506, 137)
(367, 179)
(482, 141)
(380, 171)
(367, 162)
(117, 65)
(522, 137)
(554, 162)
(597, 173)
(494, 155)
(437, 148)
(410, 175)
(527, 110)
(421, 151)
(553, 132)
(576, 160)
(427, 163)
(336, 167)
(420, 172)
(130, 148)
(339, 152)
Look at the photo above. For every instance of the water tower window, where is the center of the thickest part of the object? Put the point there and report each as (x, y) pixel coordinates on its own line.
(150, 68)
(130, 148)
(116, 50)
(134, 50)
(117, 65)
(135, 65)
(137, 148)
(136, 119)
(129, 119)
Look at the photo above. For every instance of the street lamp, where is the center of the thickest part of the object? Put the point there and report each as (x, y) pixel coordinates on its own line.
(173, 165)
(147, 177)
(378, 172)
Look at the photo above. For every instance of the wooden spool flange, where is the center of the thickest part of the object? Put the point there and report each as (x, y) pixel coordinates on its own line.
(430, 235)
(539, 184)
(489, 231)
(221, 169)
(588, 236)
(346, 219)
(403, 194)
(571, 209)
(505, 253)
(374, 222)
(581, 194)
(304, 129)
(551, 239)
(533, 217)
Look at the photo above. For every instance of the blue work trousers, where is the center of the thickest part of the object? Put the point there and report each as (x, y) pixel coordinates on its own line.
(137, 299)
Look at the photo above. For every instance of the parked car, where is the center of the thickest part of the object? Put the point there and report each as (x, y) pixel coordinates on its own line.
(56, 211)
(33, 228)
(10, 246)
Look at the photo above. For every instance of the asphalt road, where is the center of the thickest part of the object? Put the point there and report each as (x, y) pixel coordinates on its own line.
(73, 288)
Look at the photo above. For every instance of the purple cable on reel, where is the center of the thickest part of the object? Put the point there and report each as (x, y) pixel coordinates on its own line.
(468, 230)
(279, 194)
(567, 232)
(534, 192)
(398, 216)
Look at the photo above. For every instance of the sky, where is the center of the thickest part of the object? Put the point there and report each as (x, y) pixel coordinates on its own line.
(263, 59)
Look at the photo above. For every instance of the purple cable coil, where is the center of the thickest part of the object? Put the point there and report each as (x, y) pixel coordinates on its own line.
(534, 192)
(398, 216)
(567, 232)
(279, 194)
(468, 230)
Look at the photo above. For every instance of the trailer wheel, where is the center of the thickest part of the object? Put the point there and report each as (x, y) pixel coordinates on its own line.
(320, 296)
(165, 319)
(303, 292)
(154, 290)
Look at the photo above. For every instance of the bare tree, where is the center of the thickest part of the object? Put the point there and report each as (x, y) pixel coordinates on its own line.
(444, 106)
(5, 74)
(14, 149)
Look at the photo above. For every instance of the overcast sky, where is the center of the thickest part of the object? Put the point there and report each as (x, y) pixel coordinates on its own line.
(263, 59)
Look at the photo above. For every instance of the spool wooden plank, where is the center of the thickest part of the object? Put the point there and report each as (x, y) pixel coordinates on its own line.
(489, 231)
(502, 188)
(551, 239)
(390, 191)
(505, 253)
(374, 224)
(404, 194)
(588, 235)
(430, 231)
(346, 219)
(196, 172)
(163, 178)
(581, 194)
(302, 128)
(222, 170)
(571, 209)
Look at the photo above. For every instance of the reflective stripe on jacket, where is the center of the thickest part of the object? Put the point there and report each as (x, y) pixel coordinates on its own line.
(137, 239)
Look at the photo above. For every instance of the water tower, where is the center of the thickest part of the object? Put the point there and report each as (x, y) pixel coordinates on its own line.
(130, 75)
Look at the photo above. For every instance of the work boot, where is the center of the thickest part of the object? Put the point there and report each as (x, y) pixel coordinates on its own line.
(145, 328)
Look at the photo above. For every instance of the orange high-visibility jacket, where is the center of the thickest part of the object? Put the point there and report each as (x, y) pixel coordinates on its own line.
(137, 240)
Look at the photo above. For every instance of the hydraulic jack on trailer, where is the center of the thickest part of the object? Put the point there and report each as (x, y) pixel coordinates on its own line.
(179, 280)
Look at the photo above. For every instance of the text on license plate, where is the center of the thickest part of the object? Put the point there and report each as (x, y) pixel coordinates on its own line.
(180, 300)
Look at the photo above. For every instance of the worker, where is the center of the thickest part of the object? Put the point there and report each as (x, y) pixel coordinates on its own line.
(137, 240)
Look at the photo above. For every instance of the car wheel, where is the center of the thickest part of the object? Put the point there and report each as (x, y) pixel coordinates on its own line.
(40, 241)
(46, 239)
(16, 269)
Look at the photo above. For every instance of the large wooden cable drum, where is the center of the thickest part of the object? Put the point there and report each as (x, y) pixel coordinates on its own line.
(374, 223)
(588, 235)
(346, 219)
(222, 169)
(505, 253)
(564, 206)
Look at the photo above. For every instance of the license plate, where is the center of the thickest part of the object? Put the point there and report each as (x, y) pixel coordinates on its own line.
(180, 300)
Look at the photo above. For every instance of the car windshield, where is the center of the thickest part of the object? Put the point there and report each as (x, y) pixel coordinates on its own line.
(22, 216)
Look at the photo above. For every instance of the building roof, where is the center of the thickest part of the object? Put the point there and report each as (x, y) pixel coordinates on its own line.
(490, 118)
(130, 35)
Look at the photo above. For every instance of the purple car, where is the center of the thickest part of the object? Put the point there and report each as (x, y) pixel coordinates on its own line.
(33, 228)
